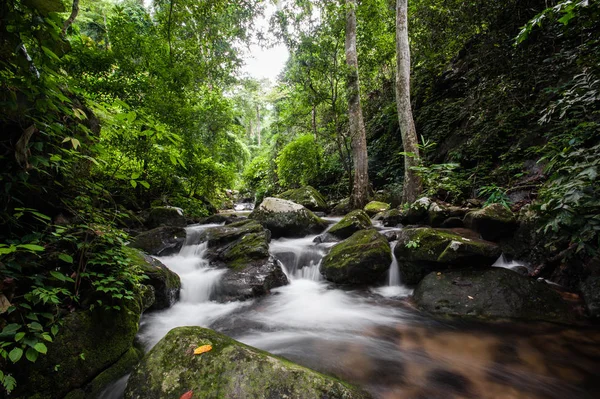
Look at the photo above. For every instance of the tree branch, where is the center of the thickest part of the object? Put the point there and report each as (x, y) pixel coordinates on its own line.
(71, 19)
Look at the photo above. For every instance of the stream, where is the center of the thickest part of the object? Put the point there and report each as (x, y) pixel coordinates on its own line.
(373, 338)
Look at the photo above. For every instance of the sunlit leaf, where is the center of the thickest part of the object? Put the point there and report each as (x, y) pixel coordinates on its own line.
(201, 349)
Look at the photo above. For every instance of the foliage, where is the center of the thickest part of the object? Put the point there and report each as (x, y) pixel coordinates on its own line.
(298, 162)
(567, 10)
(442, 181)
(495, 195)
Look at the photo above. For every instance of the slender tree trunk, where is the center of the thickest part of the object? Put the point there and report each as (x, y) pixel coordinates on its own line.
(412, 182)
(314, 120)
(258, 123)
(71, 19)
(359, 196)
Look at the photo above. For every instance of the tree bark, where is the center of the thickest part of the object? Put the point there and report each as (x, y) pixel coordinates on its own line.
(359, 196)
(71, 19)
(412, 182)
(258, 123)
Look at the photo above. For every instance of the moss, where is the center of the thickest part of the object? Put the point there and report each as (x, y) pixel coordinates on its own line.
(308, 197)
(123, 366)
(217, 236)
(286, 219)
(492, 222)
(230, 370)
(361, 259)
(375, 207)
(250, 247)
(342, 208)
(351, 223)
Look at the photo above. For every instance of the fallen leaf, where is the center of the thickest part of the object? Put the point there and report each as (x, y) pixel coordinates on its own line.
(201, 349)
(439, 273)
(470, 297)
(187, 395)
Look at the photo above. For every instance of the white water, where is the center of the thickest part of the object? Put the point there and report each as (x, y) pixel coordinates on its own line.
(395, 288)
(503, 261)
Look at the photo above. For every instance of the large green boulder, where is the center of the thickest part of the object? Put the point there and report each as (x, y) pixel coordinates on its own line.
(161, 241)
(392, 217)
(308, 197)
(229, 370)
(165, 216)
(350, 224)
(492, 293)
(287, 219)
(364, 258)
(493, 222)
(87, 344)
(243, 249)
(422, 250)
(166, 283)
(374, 207)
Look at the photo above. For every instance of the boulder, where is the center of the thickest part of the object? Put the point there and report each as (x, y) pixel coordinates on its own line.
(492, 222)
(341, 208)
(87, 344)
(165, 216)
(491, 293)
(364, 258)
(243, 248)
(443, 215)
(161, 241)
(452, 222)
(350, 224)
(590, 288)
(229, 370)
(308, 197)
(287, 219)
(166, 283)
(220, 219)
(417, 212)
(392, 217)
(374, 207)
(422, 250)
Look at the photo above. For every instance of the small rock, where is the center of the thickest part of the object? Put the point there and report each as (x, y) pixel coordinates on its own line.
(161, 241)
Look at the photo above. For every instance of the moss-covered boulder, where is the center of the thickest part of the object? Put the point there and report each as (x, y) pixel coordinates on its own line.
(88, 343)
(341, 208)
(308, 197)
(491, 293)
(220, 218)
(161, 241)
(364, 258)
(422, 250)
(350, 224)
(417, 212)
(229, 370)
(287, 219)
(391, 218)
(243, 248)
(166, 283)
(492, 222)
(374, 207)
(165, 216)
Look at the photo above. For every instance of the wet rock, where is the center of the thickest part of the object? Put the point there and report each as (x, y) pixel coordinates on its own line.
(417, 212)
(492, 222)
(341, 208)
(491, 293)
(243, 248)
(220, 219)
(308, 197)
(287, 219)
(374, 207)
(391, 235)
(392, 217)
(364, 258)
(166, 283)
(325, 238)
(452, 222)
(590, 288)
(231, 369)
(165, 216)
(161, 241)
(350, 224)
(522, 270)
(422, 250)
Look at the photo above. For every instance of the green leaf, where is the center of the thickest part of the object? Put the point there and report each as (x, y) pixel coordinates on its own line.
(50, 53)
(19, 336)
(41, 347)
(31, 355)
(54, 330)
(9, 383)
(144, 183)
(15, 355)
(133, 183)
(31, 247)
(66, 258)
(60, 276)
(9, 250)
(10, 329)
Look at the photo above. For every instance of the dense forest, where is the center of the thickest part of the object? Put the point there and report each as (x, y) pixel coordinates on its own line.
(120, 117)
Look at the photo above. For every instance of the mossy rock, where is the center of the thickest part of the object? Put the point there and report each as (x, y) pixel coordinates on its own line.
(422, 250)
(87, 344)
(221, 219)
(364, 258)
(374, 207)
(417, 212)
(391, 217)
(231, 370)
(494, 293)
(161, 241)
(253, 280)
(165, 216)
(223, 235)
(590, 288)
(166, 283)
(287, 219)
(308, 197)
(350, 224)
(341, 208)
(492, 222)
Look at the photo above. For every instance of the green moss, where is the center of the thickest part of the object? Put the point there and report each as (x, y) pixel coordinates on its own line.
(250, 247)
(351, 223)
(375, 207)
(230, 369)
(307, 196)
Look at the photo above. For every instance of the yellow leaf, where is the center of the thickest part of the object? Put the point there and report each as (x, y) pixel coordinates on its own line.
(470, 297)
(201, 349)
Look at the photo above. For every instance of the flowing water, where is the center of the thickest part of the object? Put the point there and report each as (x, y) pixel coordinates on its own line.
(375, 339)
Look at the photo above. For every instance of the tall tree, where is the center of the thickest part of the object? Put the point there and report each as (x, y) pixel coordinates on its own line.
(360, 187)
(412, 182)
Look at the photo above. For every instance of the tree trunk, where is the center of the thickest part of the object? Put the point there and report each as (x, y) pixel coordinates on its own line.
(71, 19)
(258, 123)
(314, 120)
(359, 196)
(412, 182)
